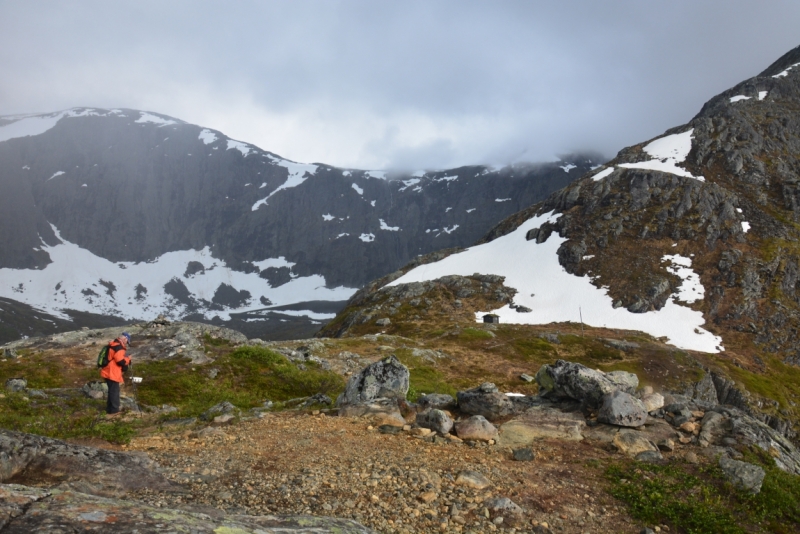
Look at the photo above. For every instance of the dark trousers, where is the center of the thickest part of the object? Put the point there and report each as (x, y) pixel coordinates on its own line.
(112, 406)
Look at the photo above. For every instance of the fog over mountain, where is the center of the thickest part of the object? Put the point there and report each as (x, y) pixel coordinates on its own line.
(409, 85)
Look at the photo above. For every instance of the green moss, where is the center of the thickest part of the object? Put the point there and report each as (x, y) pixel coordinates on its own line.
(699, 499)
(424, 377)
(780, 381)
(247, 377)
(40, 370)
(215, 341)
(533, 349)
(474, 334)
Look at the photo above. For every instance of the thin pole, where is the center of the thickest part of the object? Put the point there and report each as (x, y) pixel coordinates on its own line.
(581, 315)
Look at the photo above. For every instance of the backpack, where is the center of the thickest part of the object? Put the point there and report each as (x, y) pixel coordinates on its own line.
(102, 358)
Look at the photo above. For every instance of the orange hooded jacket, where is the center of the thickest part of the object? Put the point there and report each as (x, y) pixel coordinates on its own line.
(116, 359)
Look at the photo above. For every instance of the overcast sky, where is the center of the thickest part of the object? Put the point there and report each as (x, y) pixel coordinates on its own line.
(395, 84)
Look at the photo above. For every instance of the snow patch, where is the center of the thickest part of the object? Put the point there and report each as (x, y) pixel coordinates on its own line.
(450, 230)
(737, 98)
(145, 117)
(745, 226)
(342, 235)
(762, 95)
(409, 183)
(367, 238)
(27, 126)
(691, 290)
(471, 210)
(533, 269)
(208, 137)
(445, 179)
(244, 148)
(298, 173)
(602, 174)
(502, 199)
(385, 226)
(568, 167)
(668, 152)
(328, 217)
(84, 185)
(381, 175)
(56, 175)
(358, 189)
(83, 288)
(786, 72)
(372, 203)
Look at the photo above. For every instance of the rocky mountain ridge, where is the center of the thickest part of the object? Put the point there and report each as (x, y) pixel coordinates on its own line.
(168, 217)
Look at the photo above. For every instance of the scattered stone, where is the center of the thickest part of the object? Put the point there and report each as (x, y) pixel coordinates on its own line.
(15, 385)
(651, 457)
(95, 389)
(476, 428)
(485, 400)
(688, 427)
(526, 377)
(524, 454)
(631, 442)
(427, 497)
(691, 457)
(385, 321)
(436, 420)
(550, 337)
(743, 475)
(666, 445)
(622, 409)
(473, 479)
(652, 402)
(390, 429)
(223, 419)
(213, 372)
(223, 408)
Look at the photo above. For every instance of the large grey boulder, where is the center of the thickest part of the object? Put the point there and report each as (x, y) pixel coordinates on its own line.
(568, 380)
(485, 400)
(16, 385)
(436, 420)
(743, 475)
(387, 378)
(439, 401)
(476, 428)
(25, 509)
(622, 409)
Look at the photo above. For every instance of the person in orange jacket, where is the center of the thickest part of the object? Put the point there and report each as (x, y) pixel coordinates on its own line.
(118, 362)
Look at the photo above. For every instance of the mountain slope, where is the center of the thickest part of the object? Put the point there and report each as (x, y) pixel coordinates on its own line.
(130, 214)
(692, 236)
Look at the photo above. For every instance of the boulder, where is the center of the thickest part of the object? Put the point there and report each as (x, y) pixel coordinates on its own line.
(539, 423)
(439, 401)
(625, 381)
(622, 409)
(743, 475)
(387, 378)
(16, 384)
(476, 428)
(223, 408)
(652, 401)
(485, 400)
(42, 510)
(524, 454)
(95, 389)
(436, 420)
(651, 457)
(575, 381)
(631, 442)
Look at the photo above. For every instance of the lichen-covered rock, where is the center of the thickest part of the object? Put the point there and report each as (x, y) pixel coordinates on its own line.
(542, 422)
(631, 442)
(485, 400)
(84, 469)
(436, 420)
(223, 408)
(387, 378)
(575, 381)
(34, 510)
(16, 384)
(743, 475)
(622, 409)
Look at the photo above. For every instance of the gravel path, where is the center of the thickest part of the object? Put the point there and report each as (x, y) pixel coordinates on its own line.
(333, 466)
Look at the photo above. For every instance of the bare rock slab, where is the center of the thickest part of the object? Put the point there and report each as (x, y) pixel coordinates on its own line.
(68, 511)
(632, 443)
(622, 409)
(542, 422)
(743, 475)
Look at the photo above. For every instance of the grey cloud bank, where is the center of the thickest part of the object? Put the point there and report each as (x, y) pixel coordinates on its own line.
(395, 84)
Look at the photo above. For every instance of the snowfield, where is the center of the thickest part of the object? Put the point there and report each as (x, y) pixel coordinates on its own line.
(100, 286)
(668, 152)
(557, 296)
